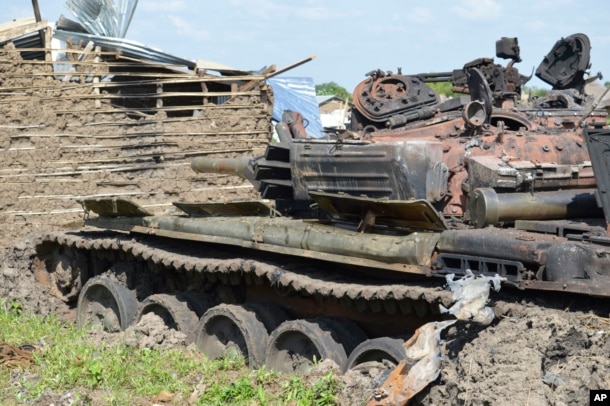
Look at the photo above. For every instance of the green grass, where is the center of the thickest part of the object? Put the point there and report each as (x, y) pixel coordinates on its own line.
(115, 374)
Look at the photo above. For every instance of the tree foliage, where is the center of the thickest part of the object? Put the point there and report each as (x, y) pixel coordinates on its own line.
(443, 88)
(534, 91)
(333, 89)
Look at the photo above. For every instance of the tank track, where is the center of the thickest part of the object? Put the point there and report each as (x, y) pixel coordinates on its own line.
(288, 278)
(339, 309)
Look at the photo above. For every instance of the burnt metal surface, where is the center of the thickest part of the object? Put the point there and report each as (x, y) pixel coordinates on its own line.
(565, 65)
(385, 95)
(238, 208)
(598, 143)
(508, 244)
(491, 208)
(410, 169)
(411, 214)
(114, 207)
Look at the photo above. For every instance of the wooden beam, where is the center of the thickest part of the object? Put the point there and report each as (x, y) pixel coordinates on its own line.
(22, 30)
(250, 85)
(96, 79)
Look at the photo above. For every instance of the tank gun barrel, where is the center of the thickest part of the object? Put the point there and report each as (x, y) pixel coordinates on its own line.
(228, 166)
(436, 76)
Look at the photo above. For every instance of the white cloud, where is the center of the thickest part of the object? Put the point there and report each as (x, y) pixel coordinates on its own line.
(185, 28)
(161, 6)
(270, 9)
(421, 15)
(478, 10)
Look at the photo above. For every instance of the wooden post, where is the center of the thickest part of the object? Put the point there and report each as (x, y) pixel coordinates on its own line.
(96, 79)
(204, 88)
(159, 92)
(48, 38)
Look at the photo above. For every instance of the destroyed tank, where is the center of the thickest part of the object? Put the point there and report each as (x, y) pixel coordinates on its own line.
(349, 247)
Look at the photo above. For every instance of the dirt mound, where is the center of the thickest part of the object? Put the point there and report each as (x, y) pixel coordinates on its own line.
(532, 354)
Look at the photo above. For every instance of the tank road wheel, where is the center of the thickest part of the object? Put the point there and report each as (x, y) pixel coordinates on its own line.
(175, 314)
(386, 352)
(107, 304)
(296, 344)
(235, 330)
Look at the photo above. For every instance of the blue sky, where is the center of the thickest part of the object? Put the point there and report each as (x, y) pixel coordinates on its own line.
(353, 37)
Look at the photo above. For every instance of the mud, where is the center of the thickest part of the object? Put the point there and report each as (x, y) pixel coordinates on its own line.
(532, 354)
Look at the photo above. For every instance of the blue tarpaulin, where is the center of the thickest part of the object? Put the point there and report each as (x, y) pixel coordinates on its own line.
(297, 94)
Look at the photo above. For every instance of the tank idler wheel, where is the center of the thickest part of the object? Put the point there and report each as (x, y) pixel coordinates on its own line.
(295, 345)
(175, 313)
(236, 330)
(106, 304)
(387, 352)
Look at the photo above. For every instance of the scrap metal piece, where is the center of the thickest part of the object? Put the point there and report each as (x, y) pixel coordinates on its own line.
(17, 356)
(421, 366)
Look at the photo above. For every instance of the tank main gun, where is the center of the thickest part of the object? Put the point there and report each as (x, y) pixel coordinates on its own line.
(228, 166)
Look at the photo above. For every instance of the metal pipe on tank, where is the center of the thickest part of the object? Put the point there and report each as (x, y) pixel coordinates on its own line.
(487, 207)
(412, 249)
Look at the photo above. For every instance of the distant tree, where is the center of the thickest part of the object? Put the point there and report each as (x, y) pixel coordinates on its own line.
(607, 84)
(443, 88)
(534, 91)
(333, 89)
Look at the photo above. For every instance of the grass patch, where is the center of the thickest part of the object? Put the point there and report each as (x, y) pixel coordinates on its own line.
(115, 374)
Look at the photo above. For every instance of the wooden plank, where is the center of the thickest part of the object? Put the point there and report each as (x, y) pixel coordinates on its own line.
(96, 79)
(159, 95)
(48, 55)
(141, 74)
(103, 85)
(273, 73)
(140, 135)
(169, 120)
(19, 31)
(140, 109)
(252, 83)
(63, 50)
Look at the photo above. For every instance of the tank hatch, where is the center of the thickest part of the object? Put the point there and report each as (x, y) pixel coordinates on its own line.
(564, 67)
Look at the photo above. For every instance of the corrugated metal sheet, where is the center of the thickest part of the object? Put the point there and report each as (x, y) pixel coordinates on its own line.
(297, 94)
(126, 47)
(110, 18)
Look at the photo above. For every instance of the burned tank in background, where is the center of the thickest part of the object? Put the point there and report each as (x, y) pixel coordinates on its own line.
(345, 254)
(486, 159)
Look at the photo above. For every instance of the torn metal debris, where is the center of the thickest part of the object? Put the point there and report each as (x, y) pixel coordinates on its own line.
(109, 18)
(421, 366)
